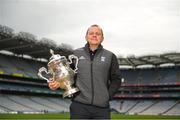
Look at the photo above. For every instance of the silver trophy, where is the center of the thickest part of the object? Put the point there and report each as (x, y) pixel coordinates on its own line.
(59, 68)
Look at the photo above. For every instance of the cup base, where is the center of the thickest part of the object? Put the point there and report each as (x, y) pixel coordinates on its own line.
(70, 92)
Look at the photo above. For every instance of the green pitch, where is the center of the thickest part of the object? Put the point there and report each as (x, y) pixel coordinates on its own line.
(66, 116)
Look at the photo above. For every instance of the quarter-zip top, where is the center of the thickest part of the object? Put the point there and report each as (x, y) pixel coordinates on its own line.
(93, 76)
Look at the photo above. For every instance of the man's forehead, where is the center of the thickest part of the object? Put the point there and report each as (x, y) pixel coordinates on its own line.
(94, 28)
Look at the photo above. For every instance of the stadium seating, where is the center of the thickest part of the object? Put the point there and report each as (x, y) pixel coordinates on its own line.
(151, 75)
(19, 67)
(23, 103)
(174, 110)
(147, 107)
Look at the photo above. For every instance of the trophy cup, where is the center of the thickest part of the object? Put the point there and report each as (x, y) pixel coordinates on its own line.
(59, 68)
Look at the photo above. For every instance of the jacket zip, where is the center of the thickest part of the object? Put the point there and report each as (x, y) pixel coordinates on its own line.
(92, 83)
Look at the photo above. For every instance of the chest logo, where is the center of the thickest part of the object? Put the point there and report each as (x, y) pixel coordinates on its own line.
(103, 59)
(82, 58)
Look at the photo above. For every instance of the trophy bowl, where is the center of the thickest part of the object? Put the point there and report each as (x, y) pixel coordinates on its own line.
(59, 68)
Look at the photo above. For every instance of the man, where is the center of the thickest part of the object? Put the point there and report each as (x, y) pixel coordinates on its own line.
(97, 78)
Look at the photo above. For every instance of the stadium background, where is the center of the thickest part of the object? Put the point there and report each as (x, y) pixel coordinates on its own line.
(150, 84)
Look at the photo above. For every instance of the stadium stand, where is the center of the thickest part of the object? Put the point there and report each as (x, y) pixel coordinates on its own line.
(19, 103)
(144, 90)
(152, 75)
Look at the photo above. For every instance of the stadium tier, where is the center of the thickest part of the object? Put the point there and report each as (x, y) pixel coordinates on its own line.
(32, 104)
(17, 66)
(152, 75)
(147, 107)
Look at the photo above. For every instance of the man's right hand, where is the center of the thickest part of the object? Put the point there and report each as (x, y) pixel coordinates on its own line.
(54, 85)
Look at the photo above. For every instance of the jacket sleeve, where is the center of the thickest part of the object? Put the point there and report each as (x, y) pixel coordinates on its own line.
(115, 77)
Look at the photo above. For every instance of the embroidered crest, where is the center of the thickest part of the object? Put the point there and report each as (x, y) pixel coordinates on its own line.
(103, 59)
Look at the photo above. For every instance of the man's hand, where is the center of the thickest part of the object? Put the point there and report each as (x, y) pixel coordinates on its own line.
(54, 85)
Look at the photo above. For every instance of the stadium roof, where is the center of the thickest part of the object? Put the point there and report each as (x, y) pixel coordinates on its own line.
(152, 60)
(26, 43)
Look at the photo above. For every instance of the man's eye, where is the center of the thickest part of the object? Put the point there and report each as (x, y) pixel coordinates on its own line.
(98, 34)
(95, 34)
(91, 33)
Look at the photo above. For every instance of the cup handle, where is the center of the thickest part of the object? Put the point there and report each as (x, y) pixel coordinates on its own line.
(70, 57)
(43, 69)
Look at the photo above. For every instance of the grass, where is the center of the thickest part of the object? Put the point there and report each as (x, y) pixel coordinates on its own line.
(150, 117)
(66, 116)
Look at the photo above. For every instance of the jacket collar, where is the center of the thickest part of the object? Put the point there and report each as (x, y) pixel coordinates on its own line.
(87, 49)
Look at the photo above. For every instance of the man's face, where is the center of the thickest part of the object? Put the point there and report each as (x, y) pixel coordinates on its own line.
(94, 36)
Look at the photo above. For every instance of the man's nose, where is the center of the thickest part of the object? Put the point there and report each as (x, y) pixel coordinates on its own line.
(94, 36)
